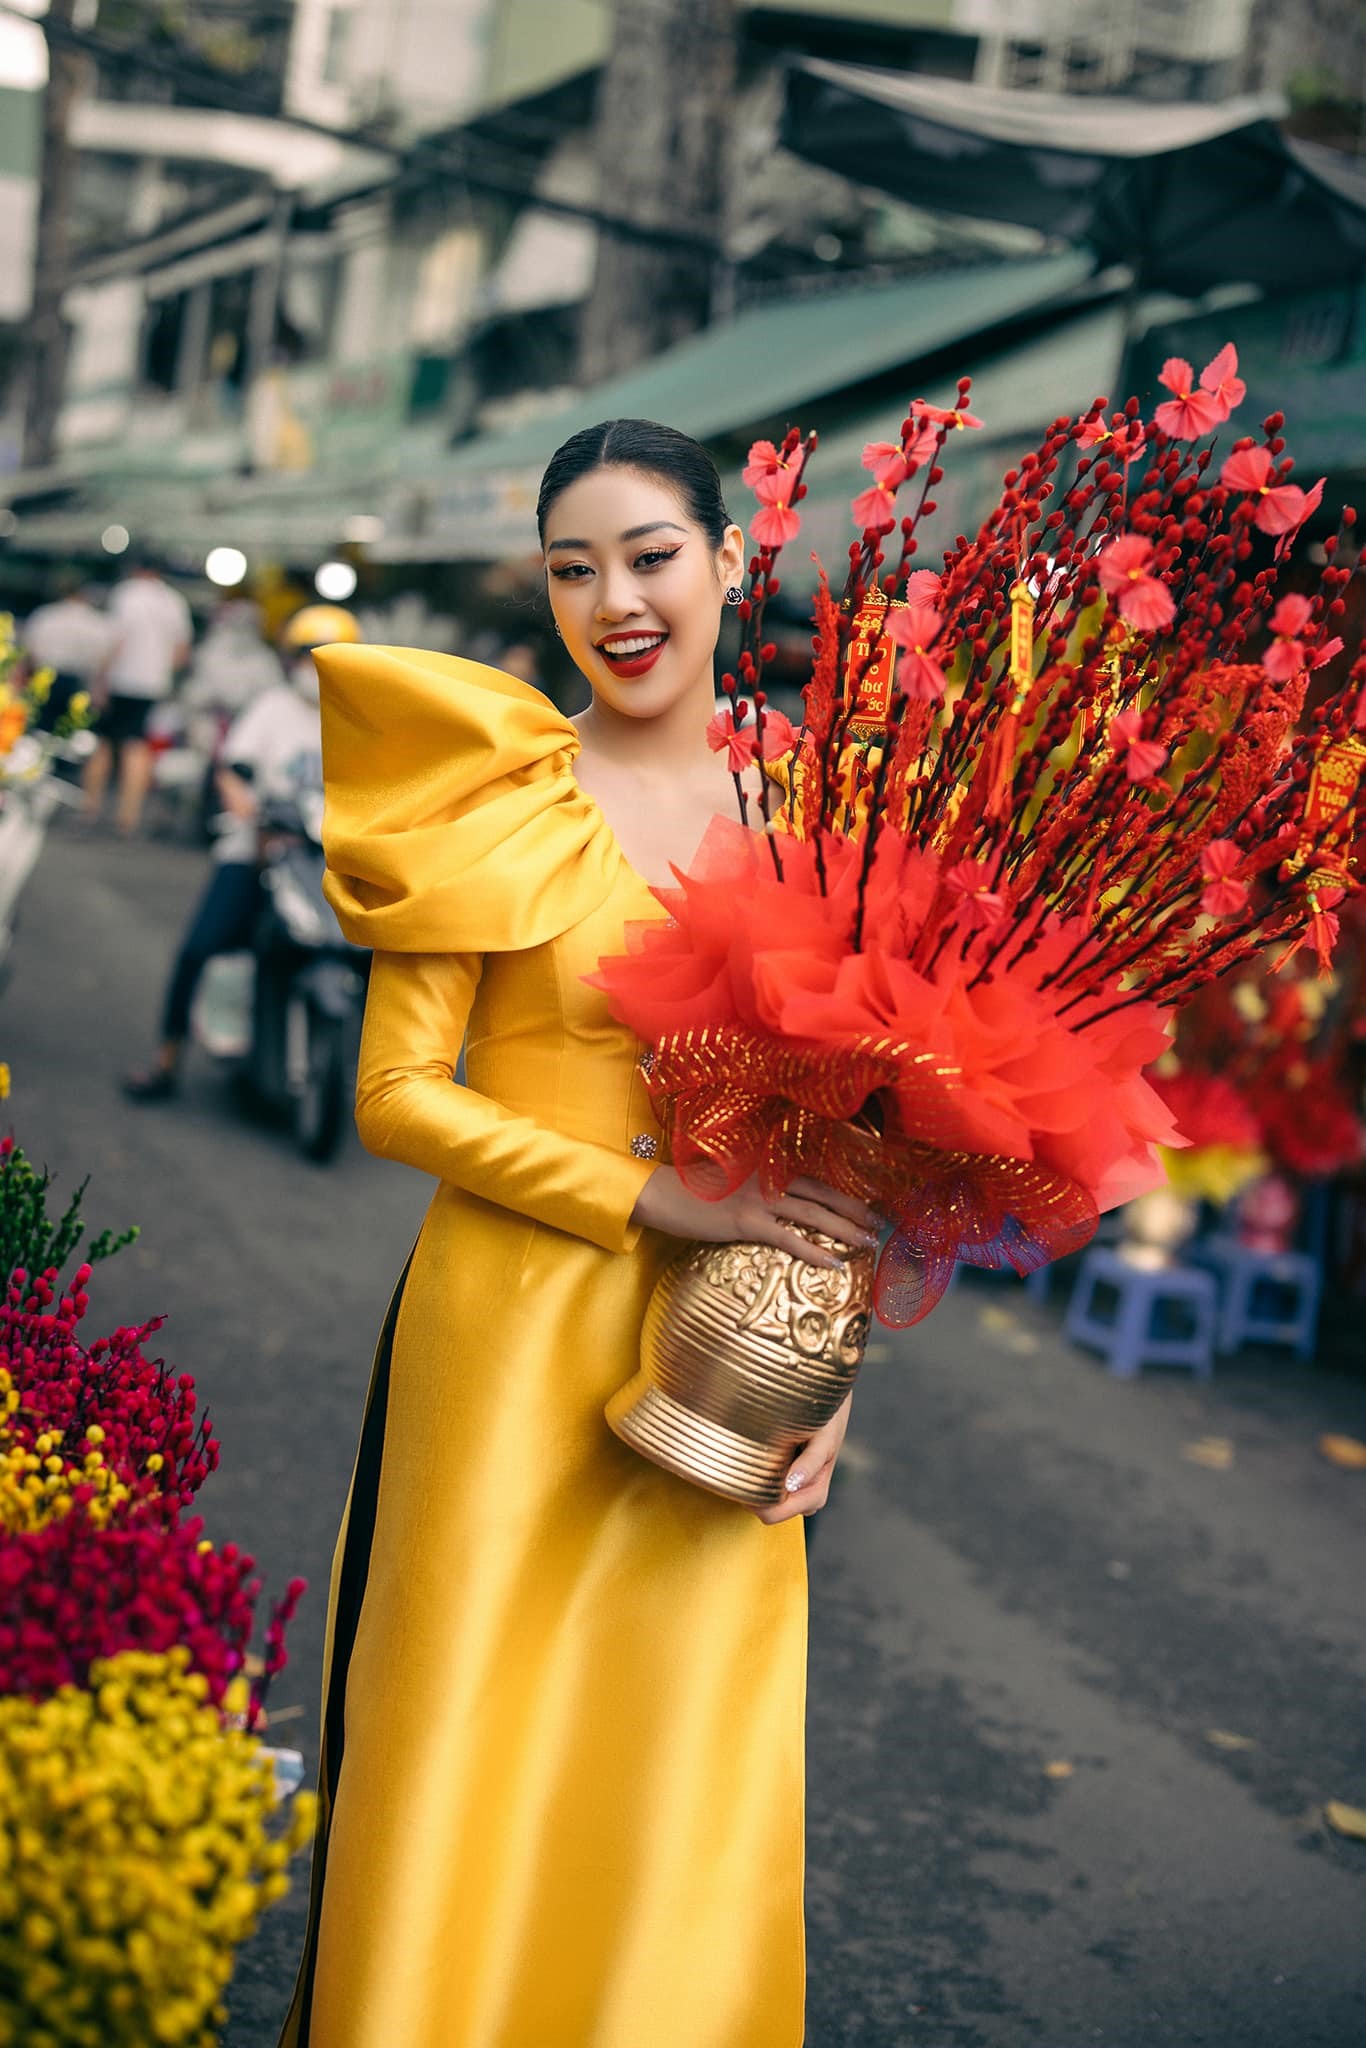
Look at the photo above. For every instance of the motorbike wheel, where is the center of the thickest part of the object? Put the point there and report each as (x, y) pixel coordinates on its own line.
(320, 1106)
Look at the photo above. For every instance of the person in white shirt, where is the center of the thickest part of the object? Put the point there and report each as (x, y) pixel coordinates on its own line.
(232, 663)
(152, 636)
(273, 748)
(73, 638)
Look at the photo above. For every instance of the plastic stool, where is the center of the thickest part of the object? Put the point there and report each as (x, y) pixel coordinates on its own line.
(1265, 1297)
(1148, 1299)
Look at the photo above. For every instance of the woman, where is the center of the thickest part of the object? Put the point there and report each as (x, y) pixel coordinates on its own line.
(568, 1812)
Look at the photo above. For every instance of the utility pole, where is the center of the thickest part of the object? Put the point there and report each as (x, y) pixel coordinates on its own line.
(664, 107)
(47, 329)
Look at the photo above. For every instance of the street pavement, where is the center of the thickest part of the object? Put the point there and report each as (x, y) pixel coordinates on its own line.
(1087, 1658)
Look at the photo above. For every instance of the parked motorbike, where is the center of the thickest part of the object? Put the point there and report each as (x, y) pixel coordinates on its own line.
(286, 1015)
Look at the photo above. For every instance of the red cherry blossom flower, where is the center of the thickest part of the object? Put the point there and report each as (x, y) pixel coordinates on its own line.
(1282, 508)
(780, 734)
(953, 417)
(1125, 442)
(1143, 599)
(886, 461)
(1312, 498)
(1220, 378)
(1286, 655)
(923, 587)
(764, 461)
(1223, 895)
(874, 510)
(923, 442)
(1143, 759)
(739, 743)
(1192, 411)
(776, 522)
(969, 882)
(1247, 469)
(915, 631)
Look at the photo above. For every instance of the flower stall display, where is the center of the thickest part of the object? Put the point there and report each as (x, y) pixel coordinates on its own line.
(28, 741)
(1042, 794)
(141, 1831)
(29, 749)
(1261, 1081)
(143, 1846)
(1223, 1136)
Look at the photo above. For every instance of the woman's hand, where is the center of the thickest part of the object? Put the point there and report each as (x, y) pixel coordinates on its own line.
(746, 1218)
(810, 1473)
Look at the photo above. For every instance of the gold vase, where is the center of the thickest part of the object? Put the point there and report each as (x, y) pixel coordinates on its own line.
(746, 1352)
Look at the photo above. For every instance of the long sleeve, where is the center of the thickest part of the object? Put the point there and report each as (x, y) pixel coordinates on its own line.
(409, 1107)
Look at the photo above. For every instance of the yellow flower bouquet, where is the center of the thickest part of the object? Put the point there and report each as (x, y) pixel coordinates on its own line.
(136, 1853)
(141, 1831)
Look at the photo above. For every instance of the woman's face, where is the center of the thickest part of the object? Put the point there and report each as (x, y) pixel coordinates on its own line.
(636, 588)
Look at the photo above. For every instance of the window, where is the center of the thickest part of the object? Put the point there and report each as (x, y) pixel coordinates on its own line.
(308, 304)
(336, 44)
(161, 349)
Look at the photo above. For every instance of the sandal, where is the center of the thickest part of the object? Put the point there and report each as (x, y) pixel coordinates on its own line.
(155, 1084)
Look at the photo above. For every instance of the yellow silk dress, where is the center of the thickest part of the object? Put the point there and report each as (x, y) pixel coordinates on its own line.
(564, 1696)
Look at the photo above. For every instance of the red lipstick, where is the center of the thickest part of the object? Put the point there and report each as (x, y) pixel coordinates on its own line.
(628, 665)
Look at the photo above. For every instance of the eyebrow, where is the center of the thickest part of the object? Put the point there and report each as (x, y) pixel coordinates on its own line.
(631, 533)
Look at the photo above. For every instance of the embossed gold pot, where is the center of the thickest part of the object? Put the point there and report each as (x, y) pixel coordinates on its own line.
(746, 1351)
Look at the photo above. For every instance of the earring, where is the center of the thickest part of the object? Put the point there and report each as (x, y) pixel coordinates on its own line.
(735, 595)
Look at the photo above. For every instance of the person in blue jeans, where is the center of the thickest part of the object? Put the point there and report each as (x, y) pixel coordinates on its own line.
(272, 749)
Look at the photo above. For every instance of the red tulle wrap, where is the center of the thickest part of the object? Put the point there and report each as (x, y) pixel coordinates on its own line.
(991, 1116)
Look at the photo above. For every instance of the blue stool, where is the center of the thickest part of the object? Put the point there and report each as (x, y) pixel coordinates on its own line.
(1265, 1297)
(1134, 1314)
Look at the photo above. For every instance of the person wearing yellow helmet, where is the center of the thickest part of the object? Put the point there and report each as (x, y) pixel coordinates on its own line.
(318, 625)
(273, 749)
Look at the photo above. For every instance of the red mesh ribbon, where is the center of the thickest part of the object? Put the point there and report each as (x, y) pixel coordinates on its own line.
(735, 1104)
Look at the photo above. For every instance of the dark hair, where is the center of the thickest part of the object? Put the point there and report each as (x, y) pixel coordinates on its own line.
(653, 450)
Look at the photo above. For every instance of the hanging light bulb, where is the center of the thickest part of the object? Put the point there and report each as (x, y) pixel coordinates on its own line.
(335, 581)
(226, 567)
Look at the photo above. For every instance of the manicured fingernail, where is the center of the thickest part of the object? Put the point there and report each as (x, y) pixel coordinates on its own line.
(796, 1481)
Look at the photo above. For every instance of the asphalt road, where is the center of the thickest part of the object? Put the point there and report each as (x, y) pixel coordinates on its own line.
(1077, 1693)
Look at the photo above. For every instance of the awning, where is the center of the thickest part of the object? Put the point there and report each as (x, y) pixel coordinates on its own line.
(477, 502)
(1016, 392)
(185, 517)
(767, 364)
(1303, 354)
(1188, 196)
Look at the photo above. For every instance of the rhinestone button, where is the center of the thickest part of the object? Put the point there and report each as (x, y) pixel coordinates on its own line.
(647, 1061)
(643, 1146)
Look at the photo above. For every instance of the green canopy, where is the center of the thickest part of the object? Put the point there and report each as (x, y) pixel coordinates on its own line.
(767, 364)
